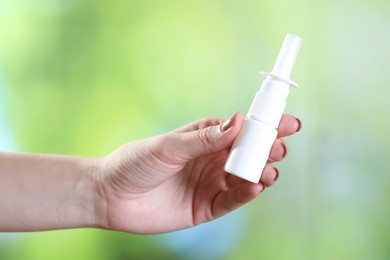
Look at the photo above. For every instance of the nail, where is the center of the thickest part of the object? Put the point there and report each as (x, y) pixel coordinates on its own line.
(276, 173)
(262, 184)
(284, 150)
(229, 122)
(299, 125)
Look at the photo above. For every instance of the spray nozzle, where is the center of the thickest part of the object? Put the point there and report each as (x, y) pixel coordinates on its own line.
(286, 60)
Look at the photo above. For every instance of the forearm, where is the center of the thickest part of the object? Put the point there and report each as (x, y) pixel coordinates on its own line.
(42, 192)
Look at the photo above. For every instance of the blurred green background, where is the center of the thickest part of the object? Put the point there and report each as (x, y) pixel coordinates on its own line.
(83, 77)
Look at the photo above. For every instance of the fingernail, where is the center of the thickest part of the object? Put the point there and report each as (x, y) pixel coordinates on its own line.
(284, 150)
(229, 122)
(262, 184)
(276, 174)
(299, 125)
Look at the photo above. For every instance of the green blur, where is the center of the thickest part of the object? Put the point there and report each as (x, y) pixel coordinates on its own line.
(86, 76)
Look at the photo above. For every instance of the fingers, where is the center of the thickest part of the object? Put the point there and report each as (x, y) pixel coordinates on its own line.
(199, 124)
(234, 198)
(207, 133)
(270, 175)
(212, 139)
(279, 151)
(289, 125)
(241, 191)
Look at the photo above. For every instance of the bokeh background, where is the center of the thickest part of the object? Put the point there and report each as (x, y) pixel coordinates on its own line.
(83, 77)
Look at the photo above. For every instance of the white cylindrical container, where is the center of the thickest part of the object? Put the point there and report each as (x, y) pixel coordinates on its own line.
(251, 149)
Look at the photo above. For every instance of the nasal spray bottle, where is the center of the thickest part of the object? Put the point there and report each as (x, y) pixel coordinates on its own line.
(252, 147)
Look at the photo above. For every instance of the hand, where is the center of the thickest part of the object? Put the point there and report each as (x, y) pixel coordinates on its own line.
(176, 180)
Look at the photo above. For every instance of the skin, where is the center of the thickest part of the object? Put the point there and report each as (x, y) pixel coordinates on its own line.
(155, 185)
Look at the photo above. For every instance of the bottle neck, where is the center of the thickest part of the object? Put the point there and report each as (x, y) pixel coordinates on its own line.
(275, 87)
(269, 102)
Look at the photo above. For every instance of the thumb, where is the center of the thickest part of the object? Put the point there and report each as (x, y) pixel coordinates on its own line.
(212, 139)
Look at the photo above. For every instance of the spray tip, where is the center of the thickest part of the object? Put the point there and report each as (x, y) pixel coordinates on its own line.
(287, 57)
(286, 60)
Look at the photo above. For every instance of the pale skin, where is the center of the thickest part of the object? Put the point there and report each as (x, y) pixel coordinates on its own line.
(155, 185)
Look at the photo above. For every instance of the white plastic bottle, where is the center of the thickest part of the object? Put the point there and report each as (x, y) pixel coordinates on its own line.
(251, 149)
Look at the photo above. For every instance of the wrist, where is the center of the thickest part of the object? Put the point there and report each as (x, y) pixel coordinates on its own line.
(45, 192)
(83, 206)
(95, 167)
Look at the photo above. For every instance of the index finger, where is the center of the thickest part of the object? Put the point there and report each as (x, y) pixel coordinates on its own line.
(289, 125)
(199, 124)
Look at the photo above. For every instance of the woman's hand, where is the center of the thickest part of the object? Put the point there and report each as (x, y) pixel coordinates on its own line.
(176, 180)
